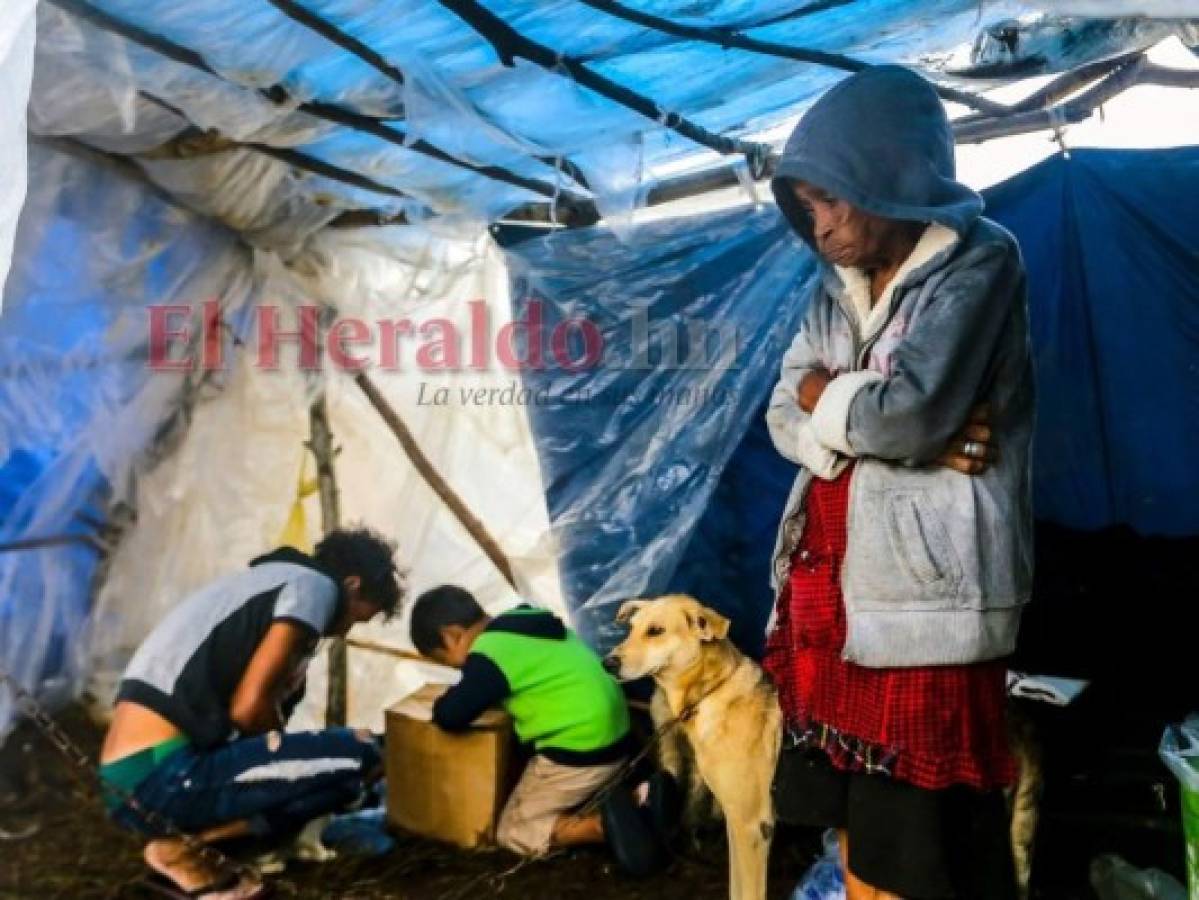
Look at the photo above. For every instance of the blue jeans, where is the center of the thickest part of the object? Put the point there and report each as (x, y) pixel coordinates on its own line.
(305, 775)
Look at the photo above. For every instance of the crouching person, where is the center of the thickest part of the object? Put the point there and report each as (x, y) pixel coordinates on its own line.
(196, 737)
(562, 702)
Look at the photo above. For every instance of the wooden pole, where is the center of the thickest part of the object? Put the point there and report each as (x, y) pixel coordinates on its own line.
(433, 478)
(320, 442)
(397, 652)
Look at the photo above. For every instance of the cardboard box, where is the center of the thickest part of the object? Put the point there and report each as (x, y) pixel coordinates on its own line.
(449, 787)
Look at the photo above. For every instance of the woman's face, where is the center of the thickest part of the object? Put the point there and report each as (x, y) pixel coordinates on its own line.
(845, 235)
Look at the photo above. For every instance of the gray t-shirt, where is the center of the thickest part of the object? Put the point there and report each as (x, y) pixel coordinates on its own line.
(188, 667)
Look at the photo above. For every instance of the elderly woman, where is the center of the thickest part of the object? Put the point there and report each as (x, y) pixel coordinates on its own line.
(904, 555)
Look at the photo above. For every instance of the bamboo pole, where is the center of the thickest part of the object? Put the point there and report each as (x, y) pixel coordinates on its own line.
(433, 478)
(320, 442)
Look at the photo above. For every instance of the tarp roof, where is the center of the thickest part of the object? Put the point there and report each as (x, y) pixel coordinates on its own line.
(414, 96)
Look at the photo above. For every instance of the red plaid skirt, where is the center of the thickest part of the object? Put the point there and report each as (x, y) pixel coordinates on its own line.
(931, 726)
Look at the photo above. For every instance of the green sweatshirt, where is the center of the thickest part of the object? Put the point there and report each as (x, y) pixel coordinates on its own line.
(552, 684)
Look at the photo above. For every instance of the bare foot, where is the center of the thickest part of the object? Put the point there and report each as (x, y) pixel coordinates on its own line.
(172, 859)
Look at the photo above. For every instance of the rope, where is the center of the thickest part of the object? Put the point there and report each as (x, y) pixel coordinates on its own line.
(618, 777)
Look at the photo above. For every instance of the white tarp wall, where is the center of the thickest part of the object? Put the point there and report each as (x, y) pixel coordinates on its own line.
(224, 495)
(16, 70)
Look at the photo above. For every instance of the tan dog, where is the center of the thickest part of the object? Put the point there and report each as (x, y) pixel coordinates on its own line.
(734, 726)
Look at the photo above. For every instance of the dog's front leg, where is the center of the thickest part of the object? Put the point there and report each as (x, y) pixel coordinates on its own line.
(749, 855)
(736, 860)
(744, 796)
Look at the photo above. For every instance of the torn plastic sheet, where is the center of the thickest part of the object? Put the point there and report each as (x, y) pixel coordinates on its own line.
(255, 45)
(77, 60)
(693, 316)
(1025, 46)
(458, 96)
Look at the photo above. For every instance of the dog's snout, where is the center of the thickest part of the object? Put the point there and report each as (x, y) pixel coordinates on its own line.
(612, 663)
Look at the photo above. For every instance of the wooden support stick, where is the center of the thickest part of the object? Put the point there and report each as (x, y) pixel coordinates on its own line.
(433, 478)
(397, 652)
(320, 442)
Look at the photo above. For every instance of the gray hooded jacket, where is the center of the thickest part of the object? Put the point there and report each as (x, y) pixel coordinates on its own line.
(938, 564)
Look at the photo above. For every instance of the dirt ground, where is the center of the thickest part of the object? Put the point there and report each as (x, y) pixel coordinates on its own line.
(76, 854)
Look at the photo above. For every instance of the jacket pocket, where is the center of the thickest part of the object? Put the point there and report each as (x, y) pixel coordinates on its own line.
(919, 540)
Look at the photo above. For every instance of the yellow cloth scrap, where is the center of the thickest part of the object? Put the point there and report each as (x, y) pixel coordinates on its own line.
(295, 530)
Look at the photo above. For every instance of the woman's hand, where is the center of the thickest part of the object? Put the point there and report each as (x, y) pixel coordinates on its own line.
(811, 387)
(971, 450)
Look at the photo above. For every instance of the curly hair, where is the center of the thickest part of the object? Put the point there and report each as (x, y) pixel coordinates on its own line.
(361, 551)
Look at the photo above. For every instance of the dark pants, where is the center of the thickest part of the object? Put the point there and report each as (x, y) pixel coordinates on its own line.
(307, 775)
(951, 844)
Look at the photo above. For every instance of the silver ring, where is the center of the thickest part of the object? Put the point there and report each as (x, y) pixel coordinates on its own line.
(972, 449)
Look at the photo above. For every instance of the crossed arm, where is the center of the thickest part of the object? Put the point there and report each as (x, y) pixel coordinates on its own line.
(976, 435)
(925, 412)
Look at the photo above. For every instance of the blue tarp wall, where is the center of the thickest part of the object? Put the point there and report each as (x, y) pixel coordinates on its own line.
(650, 494)
(78, 406)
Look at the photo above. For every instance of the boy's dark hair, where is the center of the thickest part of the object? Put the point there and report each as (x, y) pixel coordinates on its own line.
(367, 554)
(439, 608)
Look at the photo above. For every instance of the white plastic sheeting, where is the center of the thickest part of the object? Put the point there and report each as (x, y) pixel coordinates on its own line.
(224, 495)
(16, 66)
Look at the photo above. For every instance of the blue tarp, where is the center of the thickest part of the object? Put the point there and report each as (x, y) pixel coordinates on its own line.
(1114, 296)
(1114, 292)
(456, 94)
(78, 405)
(633, 449)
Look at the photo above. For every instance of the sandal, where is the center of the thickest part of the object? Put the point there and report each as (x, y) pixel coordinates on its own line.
(230, 887)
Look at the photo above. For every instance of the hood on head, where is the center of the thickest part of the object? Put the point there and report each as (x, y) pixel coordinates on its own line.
(879, 140)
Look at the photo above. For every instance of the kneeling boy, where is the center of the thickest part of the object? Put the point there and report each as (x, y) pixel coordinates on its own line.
(197, 735)
(561, 700)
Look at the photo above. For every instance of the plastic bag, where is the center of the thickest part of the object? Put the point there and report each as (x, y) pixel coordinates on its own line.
(362, 833)
(1114, 879)
(824, 880)
(295, 529)
(1179, 750)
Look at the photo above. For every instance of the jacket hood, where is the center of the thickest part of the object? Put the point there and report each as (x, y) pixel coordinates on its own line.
(881, 141)
(529, 622)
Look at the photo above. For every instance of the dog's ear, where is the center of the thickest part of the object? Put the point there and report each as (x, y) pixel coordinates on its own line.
(628, 609)
(710, 625)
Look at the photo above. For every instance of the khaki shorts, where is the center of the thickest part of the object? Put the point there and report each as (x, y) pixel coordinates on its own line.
(545, 791)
